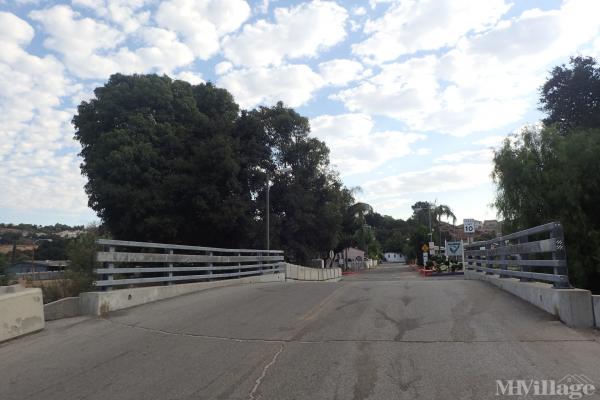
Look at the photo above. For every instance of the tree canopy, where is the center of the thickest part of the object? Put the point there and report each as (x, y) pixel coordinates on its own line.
(179, 163)
(548, 173)
(167, 161)
(571, 95)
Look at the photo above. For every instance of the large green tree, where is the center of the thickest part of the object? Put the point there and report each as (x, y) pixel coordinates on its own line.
(172, 162)
(571, 95)
(307, 204)
(548, 174)
(162, 161)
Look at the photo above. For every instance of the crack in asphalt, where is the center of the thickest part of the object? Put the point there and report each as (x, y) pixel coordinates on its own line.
(283, 341)
(252, 394)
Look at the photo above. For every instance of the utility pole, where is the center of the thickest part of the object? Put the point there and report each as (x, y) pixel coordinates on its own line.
(268, 213)
(430, 231)
(268, 210)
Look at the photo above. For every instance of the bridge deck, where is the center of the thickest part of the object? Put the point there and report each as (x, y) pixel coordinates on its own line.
(384, 334)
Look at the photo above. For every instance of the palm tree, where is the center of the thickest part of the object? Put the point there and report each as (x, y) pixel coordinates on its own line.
(443, 211)
(358, 212)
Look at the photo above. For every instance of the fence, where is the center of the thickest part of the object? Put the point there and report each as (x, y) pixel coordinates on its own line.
(140, 263)
(523, 255)
(40, 276)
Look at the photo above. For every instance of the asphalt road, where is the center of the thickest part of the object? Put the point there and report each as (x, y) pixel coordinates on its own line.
(383, 334)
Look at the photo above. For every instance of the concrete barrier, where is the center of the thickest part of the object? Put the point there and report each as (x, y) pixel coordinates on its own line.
(572, 306)
(299, 273)
(63, 308)
(21, 311)
(100, 303)
(596, 307)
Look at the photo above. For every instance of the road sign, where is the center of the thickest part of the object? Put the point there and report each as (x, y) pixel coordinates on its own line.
(453, 248)
(469, 225)
(425, 258)
(425, 248)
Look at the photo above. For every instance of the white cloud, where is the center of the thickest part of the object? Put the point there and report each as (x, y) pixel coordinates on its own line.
(355, 145)
(437, 178)
(223, 67)
(90, 48)
(71, 35)
(15, 30)
(402, 91)
(342, 71)
(471, 156)
(486, 82)
(374, 3)
(466, 187)
(38, 162)
(263, 7)
(201, 23)
(162, 52)
(298, 31)
(189, 76)
(125, 13)
(596, 48)
(359, 11)
(292, 84)
(491, 141)
(410, 26)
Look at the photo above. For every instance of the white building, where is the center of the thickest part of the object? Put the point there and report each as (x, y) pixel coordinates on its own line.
(69, 234)
(393, 257)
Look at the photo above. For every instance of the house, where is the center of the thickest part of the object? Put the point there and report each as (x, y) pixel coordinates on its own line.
(393, 257)
(22, 267)
(492, 226)
(352, 255)
(69, 234)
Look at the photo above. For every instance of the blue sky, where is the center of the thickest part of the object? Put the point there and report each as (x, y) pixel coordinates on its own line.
(411, 96)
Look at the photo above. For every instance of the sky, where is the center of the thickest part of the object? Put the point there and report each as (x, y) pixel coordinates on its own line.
(411, 96)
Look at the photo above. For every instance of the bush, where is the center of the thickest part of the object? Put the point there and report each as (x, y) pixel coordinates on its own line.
(81, 253)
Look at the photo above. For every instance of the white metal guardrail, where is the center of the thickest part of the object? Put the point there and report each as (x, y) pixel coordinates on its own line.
(141, 263)
(534, 254)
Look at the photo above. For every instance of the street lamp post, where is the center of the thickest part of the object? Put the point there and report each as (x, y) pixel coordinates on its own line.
(268, 210)
(268, 215)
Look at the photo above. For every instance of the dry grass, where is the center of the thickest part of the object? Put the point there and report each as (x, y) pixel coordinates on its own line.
(7, 248)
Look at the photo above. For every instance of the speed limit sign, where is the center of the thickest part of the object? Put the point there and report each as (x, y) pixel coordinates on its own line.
(469, 225)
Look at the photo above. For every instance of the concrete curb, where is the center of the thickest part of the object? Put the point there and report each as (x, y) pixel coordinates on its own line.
(572, 306)
(100, 303)
(299, 273)
(63, 308)
(21, 311)
(596, 307)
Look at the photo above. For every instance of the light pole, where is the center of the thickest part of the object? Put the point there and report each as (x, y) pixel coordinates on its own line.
(268, 210)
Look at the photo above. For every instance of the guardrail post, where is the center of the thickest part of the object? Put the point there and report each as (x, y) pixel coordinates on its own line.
(110, 265)
(210, 265)
(524, 268)
(503, 265)
(239, 264)
(557, 233)
(170, 266)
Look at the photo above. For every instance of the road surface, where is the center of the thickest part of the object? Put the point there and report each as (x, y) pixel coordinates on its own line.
(383, 334)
